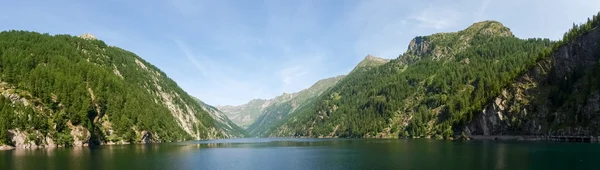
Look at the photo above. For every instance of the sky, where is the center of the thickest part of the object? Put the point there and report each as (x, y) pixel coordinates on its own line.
(227, 52)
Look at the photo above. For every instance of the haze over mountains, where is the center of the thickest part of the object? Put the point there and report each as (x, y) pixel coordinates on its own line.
(63, 90)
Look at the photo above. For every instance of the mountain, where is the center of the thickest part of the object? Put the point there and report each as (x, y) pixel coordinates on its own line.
(246, 114)
(559, 95)
(65, 90)
(259, 115)
(282, 106)
(370, 61)
(429, 91)
(227, 127)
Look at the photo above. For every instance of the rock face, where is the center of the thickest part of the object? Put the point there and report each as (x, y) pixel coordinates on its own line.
(419, 46)
(88, 36)
(370, 61)
(24, 140)
(146, 137)
(81, 135)
(443, 45)
(227, 127)
(493, 28)
(559, 96)
(246, 114)
(6, 147)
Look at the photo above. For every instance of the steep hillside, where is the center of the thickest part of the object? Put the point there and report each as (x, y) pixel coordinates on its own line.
(279, 110)
(227, 127)
(244, 115)
(438, 83)
(65, 90)
(370, 61)
(560, 95)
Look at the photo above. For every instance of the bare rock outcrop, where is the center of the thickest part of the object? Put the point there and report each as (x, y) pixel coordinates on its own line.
(530, 105)
(81, 135)
(88, 36)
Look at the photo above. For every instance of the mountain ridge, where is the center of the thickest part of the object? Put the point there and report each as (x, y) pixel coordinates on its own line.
(421, 93)
(63, 90)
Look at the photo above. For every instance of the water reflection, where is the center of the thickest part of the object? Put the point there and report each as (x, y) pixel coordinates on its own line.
(311, 154)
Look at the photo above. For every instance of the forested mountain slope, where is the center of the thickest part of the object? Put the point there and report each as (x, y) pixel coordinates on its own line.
(244, 115)
(436, 85)
(227, 127)
(65, 90)
(282, 106)
(560, 95)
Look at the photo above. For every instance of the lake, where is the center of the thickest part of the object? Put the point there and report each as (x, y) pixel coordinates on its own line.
(313, 154)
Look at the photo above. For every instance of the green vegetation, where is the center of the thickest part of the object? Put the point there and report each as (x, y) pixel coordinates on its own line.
(223, 122)
(244, 115)
(568, 94)
(579, 29)
(282, 106)
(440, 88)
(49, 84)
(70, 79)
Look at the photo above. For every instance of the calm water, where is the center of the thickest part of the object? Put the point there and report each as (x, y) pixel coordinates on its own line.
(313, 154)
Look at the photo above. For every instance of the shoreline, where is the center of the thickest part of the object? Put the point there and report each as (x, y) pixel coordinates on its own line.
(587, 139)
(584, 139)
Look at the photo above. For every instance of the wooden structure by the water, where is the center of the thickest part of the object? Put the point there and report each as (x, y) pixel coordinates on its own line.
(574, 138)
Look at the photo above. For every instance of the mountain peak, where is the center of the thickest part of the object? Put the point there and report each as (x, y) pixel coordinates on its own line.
(371, 57)
(489, 27)
(87, 36)
(442, 45)
(371, 60)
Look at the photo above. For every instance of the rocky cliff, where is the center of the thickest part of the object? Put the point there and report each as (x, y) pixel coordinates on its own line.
(558, 96)
(244, 115)
(226, 126)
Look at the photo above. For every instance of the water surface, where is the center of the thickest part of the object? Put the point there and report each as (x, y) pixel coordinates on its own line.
(313, 154)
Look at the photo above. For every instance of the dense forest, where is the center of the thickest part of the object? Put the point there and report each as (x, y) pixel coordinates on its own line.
(558, 96)
(50, 84)
(436, 85)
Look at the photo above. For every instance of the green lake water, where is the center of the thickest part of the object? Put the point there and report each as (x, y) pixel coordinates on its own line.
(313, 154)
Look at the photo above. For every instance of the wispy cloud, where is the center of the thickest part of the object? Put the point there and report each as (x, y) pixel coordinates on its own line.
(202, 69)
(437, 18)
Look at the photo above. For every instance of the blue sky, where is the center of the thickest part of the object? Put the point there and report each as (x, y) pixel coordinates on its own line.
(228, 52)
